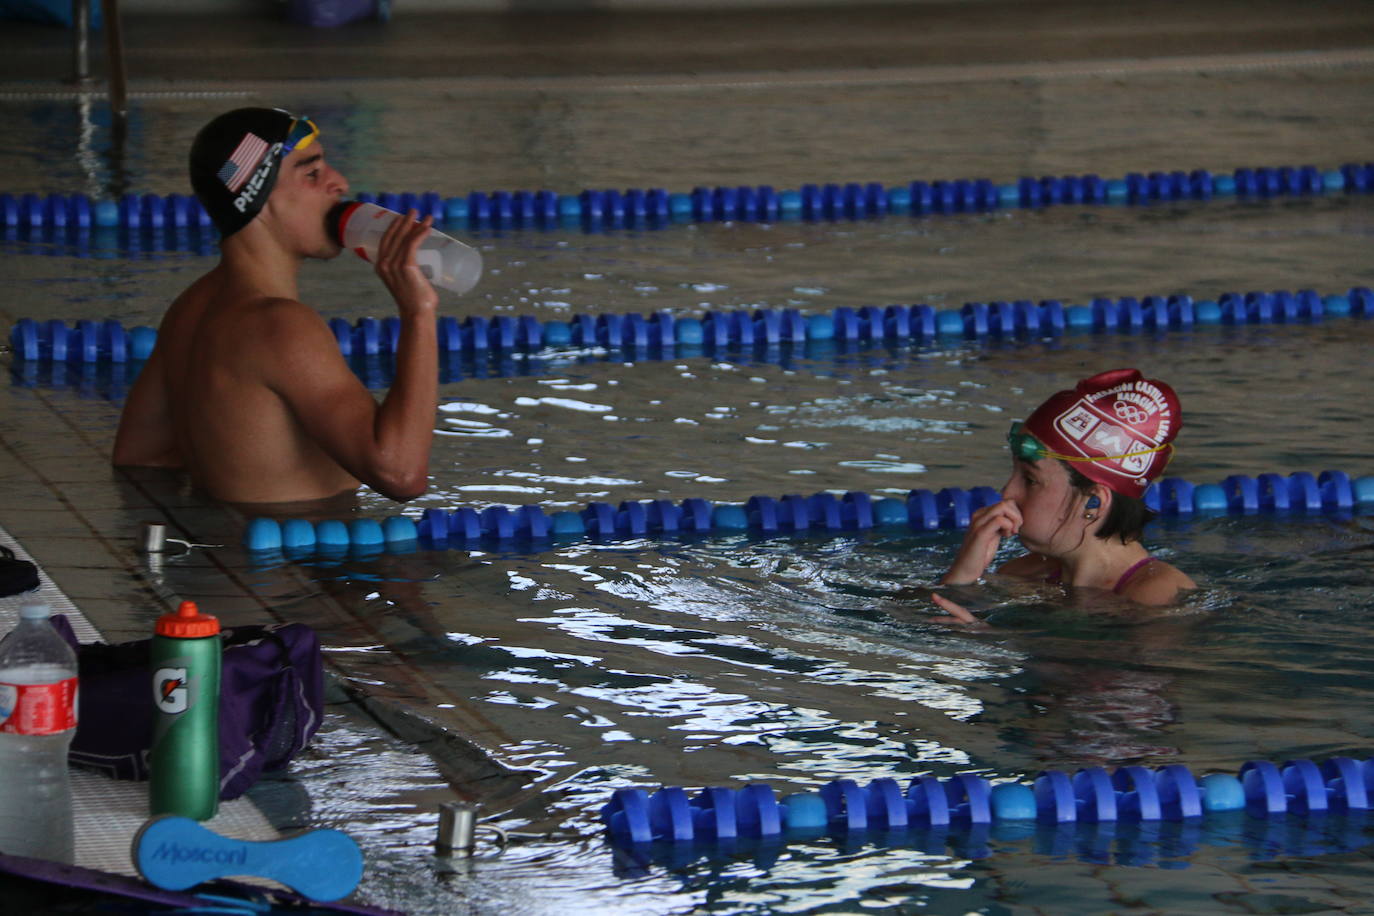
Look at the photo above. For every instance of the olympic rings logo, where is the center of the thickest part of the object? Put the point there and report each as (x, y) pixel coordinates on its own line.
(1130, 413)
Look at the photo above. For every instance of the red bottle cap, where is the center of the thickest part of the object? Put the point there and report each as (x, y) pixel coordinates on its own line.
(187, 623)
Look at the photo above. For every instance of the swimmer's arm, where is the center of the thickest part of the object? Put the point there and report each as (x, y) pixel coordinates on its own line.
(954, 613)
(1026, 566)
(146, 437)
(987, 527)
(386, 445)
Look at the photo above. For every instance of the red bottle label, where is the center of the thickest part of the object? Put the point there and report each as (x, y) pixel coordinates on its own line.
(38, 709)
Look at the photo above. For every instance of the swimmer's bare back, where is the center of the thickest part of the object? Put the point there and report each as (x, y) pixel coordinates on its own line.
(227, 368)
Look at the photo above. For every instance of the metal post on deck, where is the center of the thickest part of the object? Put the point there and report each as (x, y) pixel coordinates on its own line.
(114, 62)
(81, 41)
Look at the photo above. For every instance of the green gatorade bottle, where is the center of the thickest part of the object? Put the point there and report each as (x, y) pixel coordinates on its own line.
(184, 763)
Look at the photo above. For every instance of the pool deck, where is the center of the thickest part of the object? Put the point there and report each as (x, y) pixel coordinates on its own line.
(81, 520)
(175, 53)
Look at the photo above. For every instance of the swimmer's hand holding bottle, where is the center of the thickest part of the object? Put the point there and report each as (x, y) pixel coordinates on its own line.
(445, 261)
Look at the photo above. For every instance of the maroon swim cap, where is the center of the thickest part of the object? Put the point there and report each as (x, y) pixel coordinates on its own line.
(1115, 428)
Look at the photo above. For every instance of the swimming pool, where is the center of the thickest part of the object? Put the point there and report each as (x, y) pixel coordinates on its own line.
(799, 660)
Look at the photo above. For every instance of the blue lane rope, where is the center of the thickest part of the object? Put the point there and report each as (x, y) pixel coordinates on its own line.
(1330, 492)
(662, 335)
(655, 207)
(976, 808)
(1137, 844)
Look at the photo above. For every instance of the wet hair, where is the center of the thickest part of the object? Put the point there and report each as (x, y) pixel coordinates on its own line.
(1127, 517)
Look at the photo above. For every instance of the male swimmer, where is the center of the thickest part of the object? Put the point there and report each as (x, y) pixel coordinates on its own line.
(1080, 466)
(246, 389)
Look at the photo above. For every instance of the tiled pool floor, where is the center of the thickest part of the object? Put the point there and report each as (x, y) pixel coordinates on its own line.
(82, 521)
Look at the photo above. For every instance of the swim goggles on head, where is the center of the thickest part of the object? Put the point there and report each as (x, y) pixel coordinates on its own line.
(303, 133)
(1030, 449)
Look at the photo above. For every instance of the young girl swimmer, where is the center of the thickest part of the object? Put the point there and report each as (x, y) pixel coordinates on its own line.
(1080, 466)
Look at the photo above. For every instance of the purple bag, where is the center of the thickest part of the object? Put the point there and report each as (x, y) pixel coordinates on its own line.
(271, 701)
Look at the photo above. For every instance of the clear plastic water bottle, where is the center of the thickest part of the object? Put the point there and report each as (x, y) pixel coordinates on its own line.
(445, 261)
(37, 722)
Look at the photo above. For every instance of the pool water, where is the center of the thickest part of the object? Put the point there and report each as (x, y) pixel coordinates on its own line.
(797, 661)
(590, 667)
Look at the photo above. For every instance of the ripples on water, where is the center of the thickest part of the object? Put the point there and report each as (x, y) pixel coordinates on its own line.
(797, 661)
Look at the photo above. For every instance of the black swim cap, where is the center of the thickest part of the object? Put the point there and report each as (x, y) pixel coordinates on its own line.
(234, 164)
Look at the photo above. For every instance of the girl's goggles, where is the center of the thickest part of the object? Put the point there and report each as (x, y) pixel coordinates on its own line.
(303, 133)
(1030, 449)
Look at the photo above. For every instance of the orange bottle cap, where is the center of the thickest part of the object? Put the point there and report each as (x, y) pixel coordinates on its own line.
(187, 623)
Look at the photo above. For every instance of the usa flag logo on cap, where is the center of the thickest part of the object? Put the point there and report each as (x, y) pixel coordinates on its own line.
(241, 162)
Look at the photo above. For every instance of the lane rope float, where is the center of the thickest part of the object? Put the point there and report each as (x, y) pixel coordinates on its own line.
(665, 335)
(602, 209)
(1127, 806)
(1296, 494)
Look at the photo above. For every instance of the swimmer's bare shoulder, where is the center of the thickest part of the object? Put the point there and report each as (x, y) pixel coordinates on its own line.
(276, 339)
(290, 322)
(1158, 584)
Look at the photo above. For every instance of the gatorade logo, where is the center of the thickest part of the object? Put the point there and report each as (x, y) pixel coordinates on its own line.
(170, 691)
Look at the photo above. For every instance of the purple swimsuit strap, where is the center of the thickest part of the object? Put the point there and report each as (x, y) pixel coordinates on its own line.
(1055, 577)
(1126, 576)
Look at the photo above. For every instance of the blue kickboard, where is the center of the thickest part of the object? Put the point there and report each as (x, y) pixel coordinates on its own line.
(175, 853)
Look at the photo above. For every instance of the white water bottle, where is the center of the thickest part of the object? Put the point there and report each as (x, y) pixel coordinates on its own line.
(445, 261)
(37, 721)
